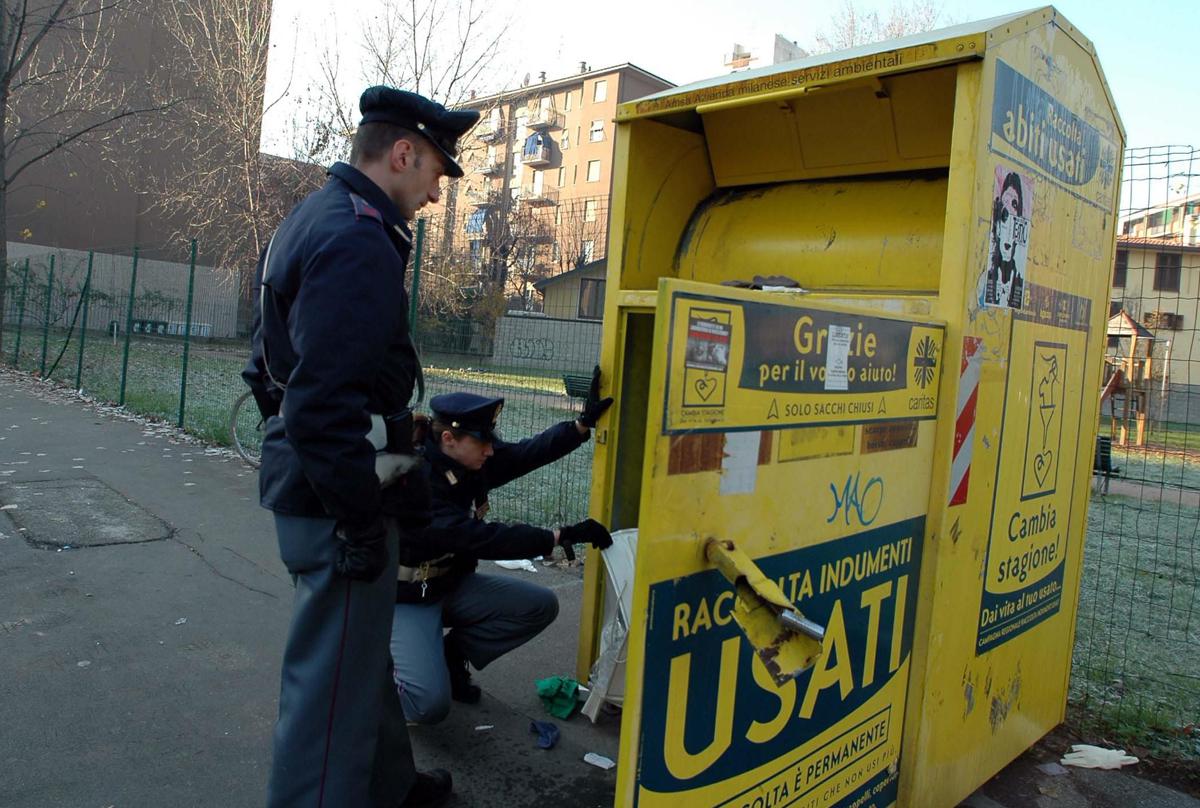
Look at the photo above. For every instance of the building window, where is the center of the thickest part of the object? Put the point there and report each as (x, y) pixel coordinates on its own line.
(566, 140)
(555, 251)
(591, 299)
(589, 249)
(567, 102)
(600, 91)
(593, 175)
(562, 176)
(1120, 268)
(476, 221)
(1166, 272)
(589, 210)
(558, 215)
(596, 134)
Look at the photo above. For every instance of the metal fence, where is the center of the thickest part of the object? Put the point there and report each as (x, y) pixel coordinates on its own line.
(1136, 673)
(169, 340)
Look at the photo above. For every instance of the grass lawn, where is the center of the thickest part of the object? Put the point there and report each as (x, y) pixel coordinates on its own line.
(1136, 668)
(551, 496)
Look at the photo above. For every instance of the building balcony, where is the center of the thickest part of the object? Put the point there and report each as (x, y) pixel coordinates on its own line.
(493, 168)
(540, 236)
(487, 132)
(539, 197)
(544, 119)
(482, 198)
(536, 156)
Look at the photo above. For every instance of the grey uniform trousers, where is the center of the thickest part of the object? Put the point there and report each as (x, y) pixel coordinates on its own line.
(341, 740)
(489, 615)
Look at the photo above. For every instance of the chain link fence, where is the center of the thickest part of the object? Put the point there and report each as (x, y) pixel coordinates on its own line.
(1136, 673)
(169, 340)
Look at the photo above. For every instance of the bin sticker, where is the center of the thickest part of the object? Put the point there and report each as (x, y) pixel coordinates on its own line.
(1043, 439)
(739, 365)
(718, 731)
(1039, 131)
(1055, 307)
(887, 436)
(1031, 507)
(964, 420)
(817, 441)
(707, 358)
(1012, 209)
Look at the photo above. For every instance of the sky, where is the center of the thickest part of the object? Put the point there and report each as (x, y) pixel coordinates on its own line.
(1148, 52)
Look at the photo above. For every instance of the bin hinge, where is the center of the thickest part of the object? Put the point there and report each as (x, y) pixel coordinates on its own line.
(786, 641)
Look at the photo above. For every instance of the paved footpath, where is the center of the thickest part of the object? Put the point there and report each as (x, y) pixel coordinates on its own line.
(142, 613)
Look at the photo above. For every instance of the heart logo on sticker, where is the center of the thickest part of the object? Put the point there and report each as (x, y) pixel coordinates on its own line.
(705, 388)
(1041, 466)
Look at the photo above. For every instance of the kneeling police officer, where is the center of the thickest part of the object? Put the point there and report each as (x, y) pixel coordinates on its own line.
(334, 366)
(438, 587)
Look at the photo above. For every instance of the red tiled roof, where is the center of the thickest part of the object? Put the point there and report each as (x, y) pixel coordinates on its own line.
(1171, 243)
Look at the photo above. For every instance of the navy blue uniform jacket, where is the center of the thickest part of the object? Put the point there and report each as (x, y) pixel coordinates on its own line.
(333, 327)
(458, 492)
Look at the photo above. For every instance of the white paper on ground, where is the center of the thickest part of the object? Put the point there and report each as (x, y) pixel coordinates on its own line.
(517, 564)
(598, 760)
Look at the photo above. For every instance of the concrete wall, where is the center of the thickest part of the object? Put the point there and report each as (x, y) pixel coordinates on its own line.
(569, 346)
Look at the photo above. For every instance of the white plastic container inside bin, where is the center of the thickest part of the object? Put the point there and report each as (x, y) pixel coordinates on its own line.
(607, 678)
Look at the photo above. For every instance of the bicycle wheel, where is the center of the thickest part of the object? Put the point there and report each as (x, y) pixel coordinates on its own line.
(246, 429)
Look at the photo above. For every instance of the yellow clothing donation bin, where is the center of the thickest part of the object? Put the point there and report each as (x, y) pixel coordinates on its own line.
(854, 324)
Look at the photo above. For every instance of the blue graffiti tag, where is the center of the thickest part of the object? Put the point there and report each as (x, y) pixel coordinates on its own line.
(858, 501)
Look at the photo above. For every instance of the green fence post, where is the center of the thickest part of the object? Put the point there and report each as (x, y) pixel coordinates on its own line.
(21, 316)
(416, 273)
(87, 289)
(128, 326)
(187, 332)
(46, 325)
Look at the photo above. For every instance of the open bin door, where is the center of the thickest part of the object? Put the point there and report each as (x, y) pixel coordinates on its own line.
(797, 434)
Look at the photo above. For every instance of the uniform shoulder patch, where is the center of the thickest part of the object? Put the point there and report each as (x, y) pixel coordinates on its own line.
(363, 208)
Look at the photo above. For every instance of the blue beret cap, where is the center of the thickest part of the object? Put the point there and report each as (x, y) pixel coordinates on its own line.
(442, 127)
(470, 413)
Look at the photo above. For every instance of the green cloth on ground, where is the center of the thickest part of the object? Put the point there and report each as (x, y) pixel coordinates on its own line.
(558, 695)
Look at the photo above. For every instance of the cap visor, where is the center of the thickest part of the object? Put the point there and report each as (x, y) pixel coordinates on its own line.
(452, 168)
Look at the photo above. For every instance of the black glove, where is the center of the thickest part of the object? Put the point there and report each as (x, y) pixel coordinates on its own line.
(589, 530)
(362, 552)
(593, 405)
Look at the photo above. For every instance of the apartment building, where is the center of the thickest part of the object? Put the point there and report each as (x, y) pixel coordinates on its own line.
(535, 199)
(1156, 282)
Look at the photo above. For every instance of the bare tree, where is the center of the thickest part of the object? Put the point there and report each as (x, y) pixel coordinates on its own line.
(442, 49)
(851, 25)
(581, 231)
(439, 48)
(59, 89)
(228, 192)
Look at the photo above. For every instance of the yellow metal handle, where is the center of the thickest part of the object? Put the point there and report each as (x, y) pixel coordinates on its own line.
(785, 640)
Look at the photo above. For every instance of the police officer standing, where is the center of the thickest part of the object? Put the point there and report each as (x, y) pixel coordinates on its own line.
(333, 352)
(438, 587)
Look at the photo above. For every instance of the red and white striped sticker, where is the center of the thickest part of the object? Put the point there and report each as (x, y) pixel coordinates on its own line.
(964, 420)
